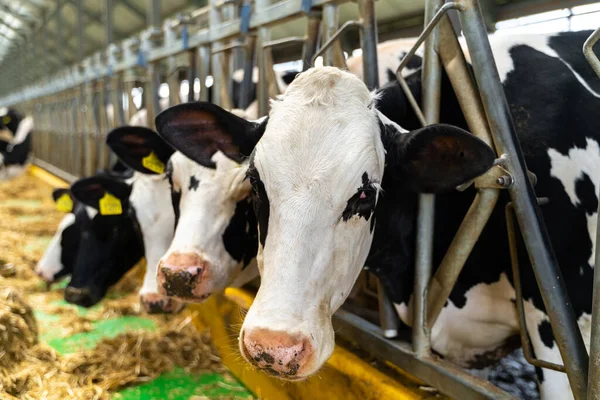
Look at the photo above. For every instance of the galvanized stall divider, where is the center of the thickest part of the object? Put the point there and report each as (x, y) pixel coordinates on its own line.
(594, 371)
(516, 180)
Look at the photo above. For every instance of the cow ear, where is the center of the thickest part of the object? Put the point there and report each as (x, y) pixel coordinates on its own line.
(109, 196)
(140, 148)
(435, 158)
(63, 199)
(200, 129)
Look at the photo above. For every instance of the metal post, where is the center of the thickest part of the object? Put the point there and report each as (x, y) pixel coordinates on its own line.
(193, 73)
(431, 77)
(548, 275)
(109, 8)
(594, 372)
(249, 49)
(331, 21)
(368, 43)
(203, 71)
(313, 25)
(264, 35)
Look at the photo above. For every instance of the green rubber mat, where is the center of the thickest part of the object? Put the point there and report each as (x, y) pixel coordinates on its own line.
(181, 385)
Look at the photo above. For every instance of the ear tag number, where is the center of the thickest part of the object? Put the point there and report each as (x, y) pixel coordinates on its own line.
(6, 119)
(153, 163)
(110, 205)
(64, 203)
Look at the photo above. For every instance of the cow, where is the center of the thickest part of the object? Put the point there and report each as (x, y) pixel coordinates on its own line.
(208, 217)
(59, 257)
(332, 159)
(15, 143)
(110, 238)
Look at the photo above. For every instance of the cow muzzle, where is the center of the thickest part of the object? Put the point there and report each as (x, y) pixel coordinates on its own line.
(154, 303)
(280, 354)
(185, 276)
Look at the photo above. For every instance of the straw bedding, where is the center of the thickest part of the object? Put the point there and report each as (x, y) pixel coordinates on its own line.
(30, 369)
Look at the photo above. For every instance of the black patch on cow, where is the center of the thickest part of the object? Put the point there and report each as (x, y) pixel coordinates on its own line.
(391, 75)
(193, 183)
(240, 236)
(288, 76)
(546, 334)
(175, 194)
(260, 200)
(540, 375)
(586, 194)
(362, 203)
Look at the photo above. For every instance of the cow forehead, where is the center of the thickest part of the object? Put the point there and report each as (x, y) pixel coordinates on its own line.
(322, 139)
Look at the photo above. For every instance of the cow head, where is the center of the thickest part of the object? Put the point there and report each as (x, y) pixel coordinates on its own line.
(316, 175)
(145, 152)
(110, 238)
(216, 235)
(59, 257)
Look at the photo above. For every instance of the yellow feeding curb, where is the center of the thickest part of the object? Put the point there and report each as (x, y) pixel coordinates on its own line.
(47, 177)
(344, 376)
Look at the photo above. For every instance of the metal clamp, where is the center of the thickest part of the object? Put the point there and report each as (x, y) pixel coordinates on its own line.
(588, 51)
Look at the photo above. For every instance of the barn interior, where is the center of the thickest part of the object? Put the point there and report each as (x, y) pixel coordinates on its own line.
(81, 68)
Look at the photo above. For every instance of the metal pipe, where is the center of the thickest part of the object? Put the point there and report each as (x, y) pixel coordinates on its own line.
(313, 26)
(203, 71)
(264, 35)
(152, 100)
(248, 71)
(548, 275)
(347, 25)
(193, 73)
(594, 365)
(331, 20)
(109, 8)
(283, 41)
(432, 79)
(428, 29)
(368, 43)
(481, 209)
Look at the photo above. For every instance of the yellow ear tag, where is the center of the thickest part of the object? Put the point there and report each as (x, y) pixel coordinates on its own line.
(110, 205)
(6, 119)
(153, 163)
(64, 203)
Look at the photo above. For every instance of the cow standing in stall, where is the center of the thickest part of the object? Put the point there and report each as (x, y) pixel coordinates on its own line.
(336, 173)
(15, 143)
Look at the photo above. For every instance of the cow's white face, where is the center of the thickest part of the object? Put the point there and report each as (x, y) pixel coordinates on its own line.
(316, 173)
(211, 239)
(316, 166)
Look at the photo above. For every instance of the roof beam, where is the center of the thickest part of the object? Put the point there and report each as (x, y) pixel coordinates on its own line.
(97, 18)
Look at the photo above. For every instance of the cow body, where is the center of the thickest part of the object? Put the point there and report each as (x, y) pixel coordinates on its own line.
(15, 143)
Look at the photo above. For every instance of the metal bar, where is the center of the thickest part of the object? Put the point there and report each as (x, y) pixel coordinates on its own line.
(264, 35)
(480, 211)
(426, 32)
(526, 343)
(432, 79)
(203, 71)
(313, 26)
(347, 25)
(594, 365)
(248, 70)
(445, 376)
(368, 42)
(548, 275)
(80, 36)
(109, 13)
(331, 20)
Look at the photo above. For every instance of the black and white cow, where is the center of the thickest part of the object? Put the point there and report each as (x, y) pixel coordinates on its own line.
(15, 143)
(110, 239)
(208, 217)
(332, 159)
(59, 257)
